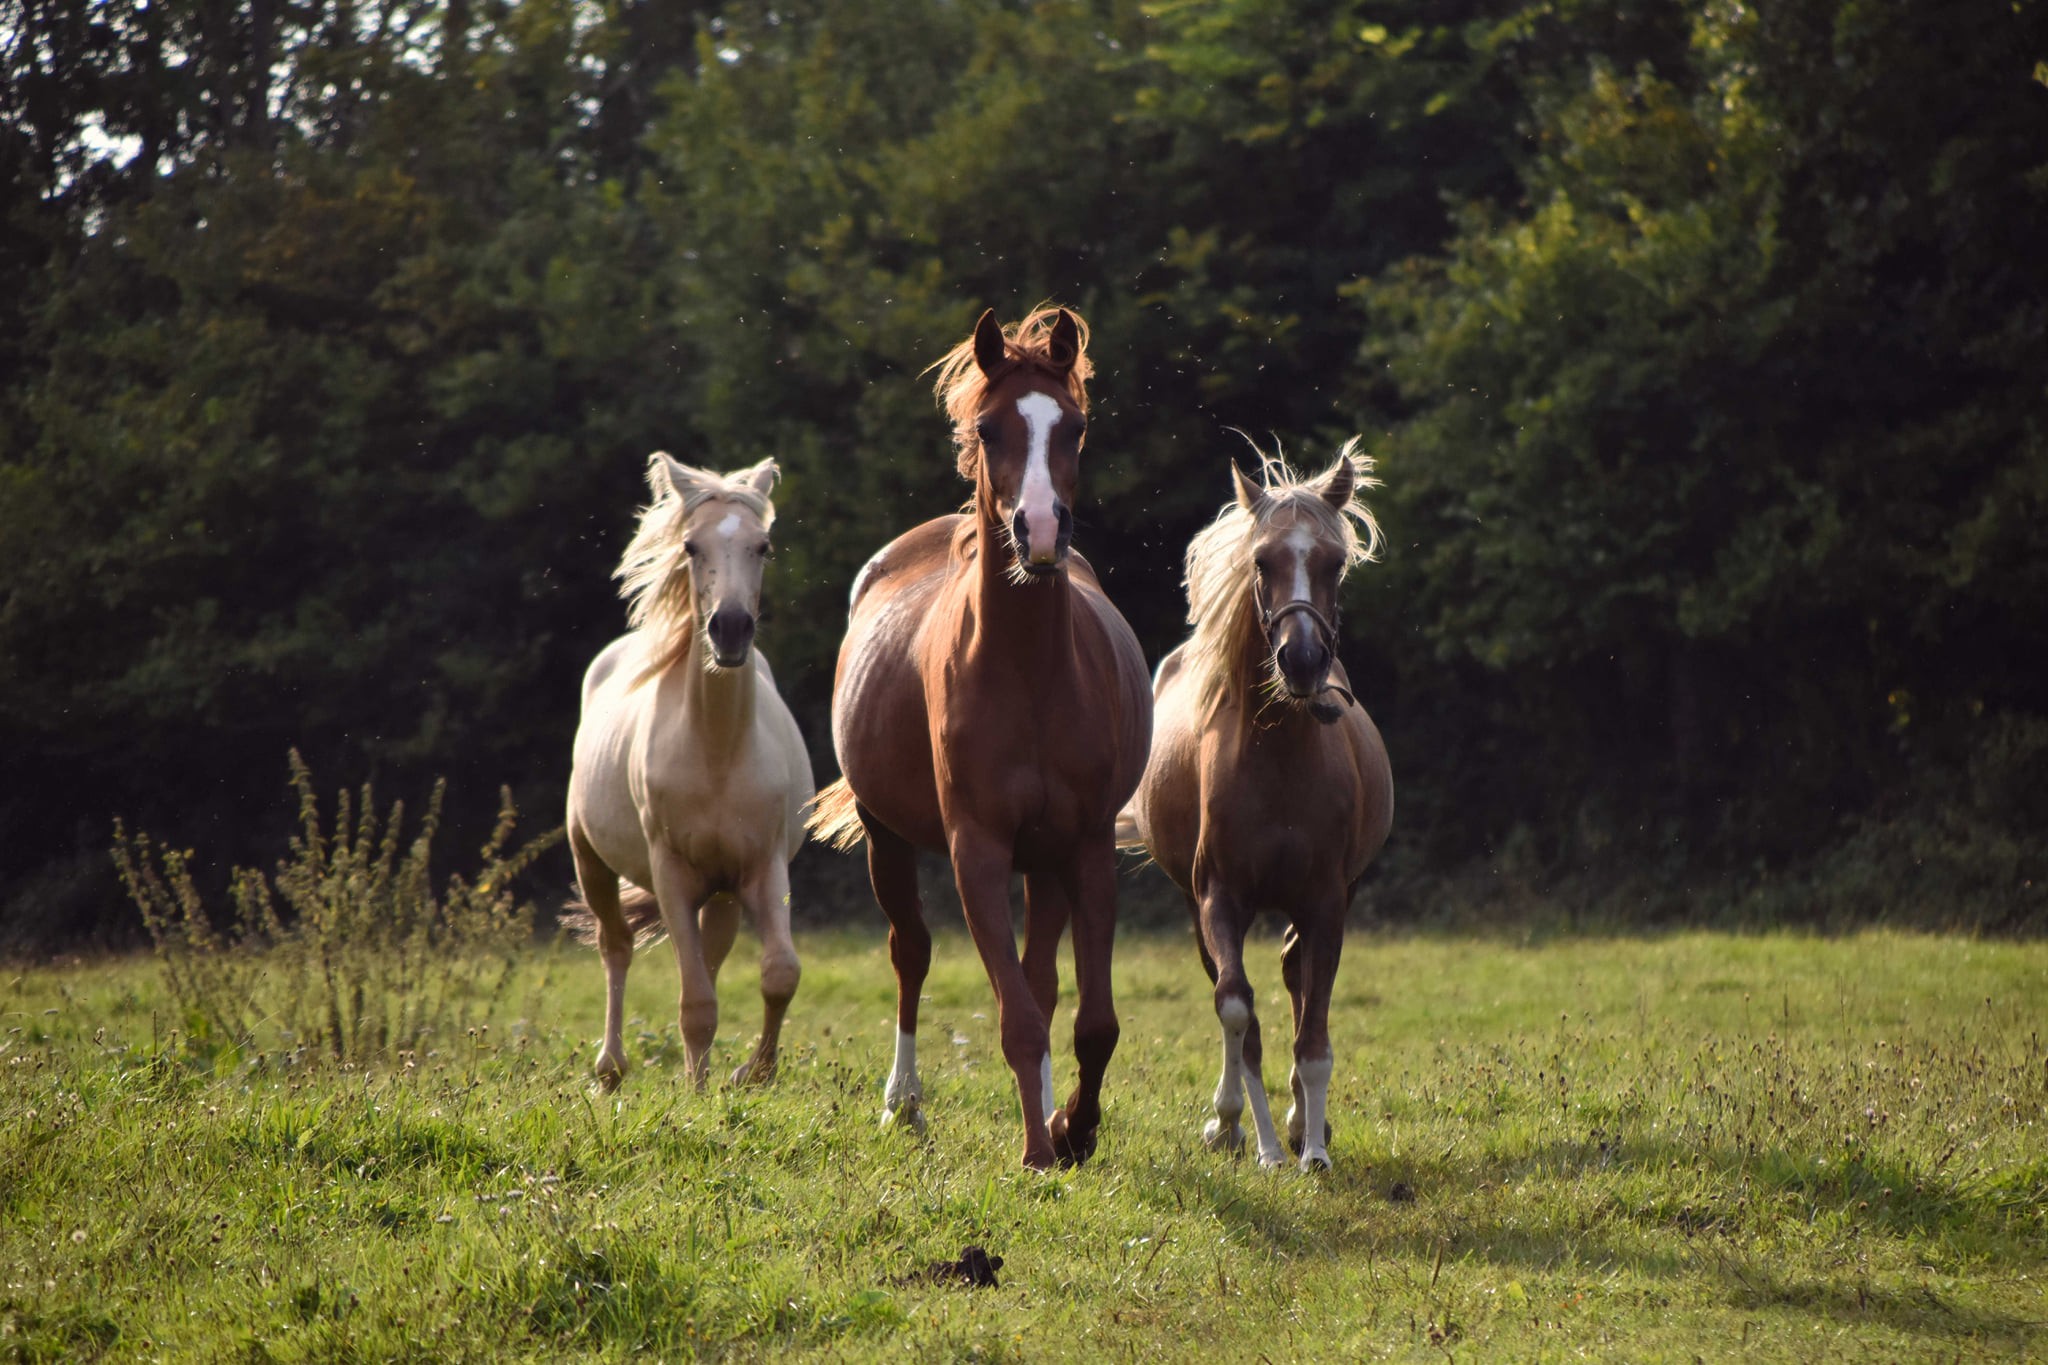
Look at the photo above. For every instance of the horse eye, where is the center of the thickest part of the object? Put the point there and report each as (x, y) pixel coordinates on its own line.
(690, 548)
(987, 431)
(764, 549)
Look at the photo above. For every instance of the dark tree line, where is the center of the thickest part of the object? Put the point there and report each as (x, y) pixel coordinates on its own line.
(1702, 346)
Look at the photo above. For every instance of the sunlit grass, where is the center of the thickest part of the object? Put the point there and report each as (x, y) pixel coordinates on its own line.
(1622, 1148)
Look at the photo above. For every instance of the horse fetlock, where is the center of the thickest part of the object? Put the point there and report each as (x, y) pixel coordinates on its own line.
(611, 1068)
(1315, 1159)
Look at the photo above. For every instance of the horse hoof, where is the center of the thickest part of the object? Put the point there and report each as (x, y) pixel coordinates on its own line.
(609, 1074)
(1217, 1138)
(1069, 1146)
(1273, 1160)
(754, 1072)
(909, 1114)
(1294, 1127)
(1315, 1159)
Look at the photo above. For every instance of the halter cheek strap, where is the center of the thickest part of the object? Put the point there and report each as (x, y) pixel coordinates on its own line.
(1326, 630)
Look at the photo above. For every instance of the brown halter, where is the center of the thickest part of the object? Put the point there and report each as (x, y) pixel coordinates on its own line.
(1326, 630)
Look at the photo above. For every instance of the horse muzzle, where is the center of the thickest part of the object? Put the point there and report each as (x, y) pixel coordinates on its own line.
(1042, 541)
(731, 632)
(1304, 665)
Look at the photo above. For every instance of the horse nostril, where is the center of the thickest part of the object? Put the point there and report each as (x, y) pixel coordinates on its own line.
(1020, 531)
(731, 630)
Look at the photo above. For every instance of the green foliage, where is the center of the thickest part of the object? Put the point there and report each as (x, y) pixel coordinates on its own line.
(362, 960)
(1633, 1148)
(1701, 343)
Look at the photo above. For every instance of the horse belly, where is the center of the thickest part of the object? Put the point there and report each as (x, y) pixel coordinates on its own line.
(880, 727)
(601, 803)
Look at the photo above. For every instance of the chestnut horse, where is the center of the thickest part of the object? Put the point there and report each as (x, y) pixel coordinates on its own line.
(686, 798)
(1269, 787)
(991, 703)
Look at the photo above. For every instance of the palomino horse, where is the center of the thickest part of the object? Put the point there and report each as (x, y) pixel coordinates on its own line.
(1269, 787)
(690, 777)
(991, 702)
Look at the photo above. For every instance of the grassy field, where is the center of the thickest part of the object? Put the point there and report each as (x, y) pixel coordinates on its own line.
(1611, 1148)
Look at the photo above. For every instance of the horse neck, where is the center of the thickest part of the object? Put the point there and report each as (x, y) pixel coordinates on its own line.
(1030, 618)
(717, 703)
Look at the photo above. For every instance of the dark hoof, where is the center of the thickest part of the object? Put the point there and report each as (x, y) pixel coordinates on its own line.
(1072, 1146)
(1294, 1138)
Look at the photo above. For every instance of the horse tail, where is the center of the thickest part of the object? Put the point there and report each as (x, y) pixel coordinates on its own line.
(642, 912)
(1128, 839)
(834, 818)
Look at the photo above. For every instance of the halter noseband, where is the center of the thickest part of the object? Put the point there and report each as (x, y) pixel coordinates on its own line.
(1326, 630)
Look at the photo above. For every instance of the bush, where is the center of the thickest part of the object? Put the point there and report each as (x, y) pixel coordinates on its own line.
(363, 960)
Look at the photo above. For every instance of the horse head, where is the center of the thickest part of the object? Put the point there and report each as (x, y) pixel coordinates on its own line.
(1300, 547)
(714, 547)
(1019, 405)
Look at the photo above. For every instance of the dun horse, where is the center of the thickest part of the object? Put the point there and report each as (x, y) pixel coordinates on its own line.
(991, 703)
(1268, 787)
(685, 803)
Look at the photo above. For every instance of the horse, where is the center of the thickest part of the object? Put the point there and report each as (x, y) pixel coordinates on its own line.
(992, 704)
(690, 777)
(1268, 786)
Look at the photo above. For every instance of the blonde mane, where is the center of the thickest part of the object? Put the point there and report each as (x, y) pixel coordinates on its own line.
(1219, 565)
(654, 573)
(961, 386)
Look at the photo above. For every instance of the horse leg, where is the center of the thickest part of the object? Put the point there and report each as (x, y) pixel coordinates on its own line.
(600, 887)
(1271, 1154)
(1309, 960)
(768, 897)
(1047, 908)
(680, 891)
(718, 924)
(981, 871)
(1221, 921)
(892, 870)
(1073, 1128)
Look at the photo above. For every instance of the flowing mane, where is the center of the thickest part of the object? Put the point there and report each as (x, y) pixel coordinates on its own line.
(654, 573)
(1219, 567)
(961, 385)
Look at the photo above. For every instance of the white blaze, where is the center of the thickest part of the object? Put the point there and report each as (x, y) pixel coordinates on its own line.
(1041, 413)
(1300, 543)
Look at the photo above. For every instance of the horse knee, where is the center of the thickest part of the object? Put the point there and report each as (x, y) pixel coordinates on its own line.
(780, 972)
(1234, 1004)
(1026, 1041)
(699, 1019)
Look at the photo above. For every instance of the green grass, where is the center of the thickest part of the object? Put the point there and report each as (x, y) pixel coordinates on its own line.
(1616, 1148)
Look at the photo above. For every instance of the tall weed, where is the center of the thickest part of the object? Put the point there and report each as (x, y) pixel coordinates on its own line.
(345, 951)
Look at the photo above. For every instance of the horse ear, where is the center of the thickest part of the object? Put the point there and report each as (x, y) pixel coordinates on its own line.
(1064, 345)
(1341, 481)
(665, 474)
(1249, 494)
(761, 478)
(988, 343)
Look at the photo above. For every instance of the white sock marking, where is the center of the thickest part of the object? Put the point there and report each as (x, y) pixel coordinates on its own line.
(903, 1084)
(1315, 1095)
(1045, 1084)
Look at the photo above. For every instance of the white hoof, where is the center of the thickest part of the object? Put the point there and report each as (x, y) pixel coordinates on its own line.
(908, 1114)
(1272, 1160)
(1315, 1159)
(1218, 1138)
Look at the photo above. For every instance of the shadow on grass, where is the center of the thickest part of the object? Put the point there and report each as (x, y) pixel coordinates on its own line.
(1455, 1210)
